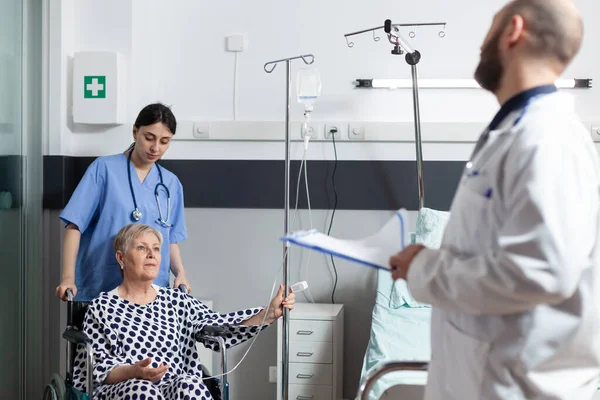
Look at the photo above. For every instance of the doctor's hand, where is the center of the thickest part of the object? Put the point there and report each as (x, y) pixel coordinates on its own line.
(400, 263)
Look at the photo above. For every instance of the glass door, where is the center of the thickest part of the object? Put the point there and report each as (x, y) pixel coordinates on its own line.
(11, 201)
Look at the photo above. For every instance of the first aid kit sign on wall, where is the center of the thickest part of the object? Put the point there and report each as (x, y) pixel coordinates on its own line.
(99, 88)
(94, 87)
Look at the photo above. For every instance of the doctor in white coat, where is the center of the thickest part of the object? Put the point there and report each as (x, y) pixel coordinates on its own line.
(515, 286)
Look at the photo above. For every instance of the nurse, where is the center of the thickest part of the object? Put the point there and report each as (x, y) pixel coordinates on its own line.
(118, 190)
(515, 286)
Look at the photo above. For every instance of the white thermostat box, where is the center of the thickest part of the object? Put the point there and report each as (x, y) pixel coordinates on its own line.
(99, 88)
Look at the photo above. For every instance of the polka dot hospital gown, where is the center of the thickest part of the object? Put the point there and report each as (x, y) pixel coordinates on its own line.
(124, 333)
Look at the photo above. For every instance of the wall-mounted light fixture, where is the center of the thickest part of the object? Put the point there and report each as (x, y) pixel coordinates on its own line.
(453, 84)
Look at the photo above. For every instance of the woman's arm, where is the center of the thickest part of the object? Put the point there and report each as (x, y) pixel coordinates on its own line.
(77, 215)
(241, 325)
(257, 320)
(71, 241)
(177, 266)
(104, 349)
(139, 370)
(120, 374)
(275, 310)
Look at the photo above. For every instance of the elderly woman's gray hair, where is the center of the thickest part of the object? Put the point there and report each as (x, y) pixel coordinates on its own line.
(129, 233)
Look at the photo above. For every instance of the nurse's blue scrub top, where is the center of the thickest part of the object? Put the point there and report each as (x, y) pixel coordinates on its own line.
(102, 205)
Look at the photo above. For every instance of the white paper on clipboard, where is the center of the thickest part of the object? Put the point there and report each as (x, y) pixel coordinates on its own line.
(374, 251)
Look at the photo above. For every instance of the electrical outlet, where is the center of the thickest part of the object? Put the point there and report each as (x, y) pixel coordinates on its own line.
(201, 130)
(272, 374)
(356, 132)
(311, 129)
(333, 128)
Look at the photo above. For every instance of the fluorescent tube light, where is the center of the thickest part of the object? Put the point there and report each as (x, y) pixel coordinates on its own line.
(454, 83)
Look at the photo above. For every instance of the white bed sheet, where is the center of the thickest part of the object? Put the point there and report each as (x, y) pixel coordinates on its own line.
(397, 334)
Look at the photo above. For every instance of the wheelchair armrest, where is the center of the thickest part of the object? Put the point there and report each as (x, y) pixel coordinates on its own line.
(76, 336)
(212, 332)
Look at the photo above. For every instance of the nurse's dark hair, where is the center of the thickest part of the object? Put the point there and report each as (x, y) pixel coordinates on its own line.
(554, 27)
(154, 113)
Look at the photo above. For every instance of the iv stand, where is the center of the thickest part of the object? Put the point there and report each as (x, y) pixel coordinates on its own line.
(412, 58)
(269, 67)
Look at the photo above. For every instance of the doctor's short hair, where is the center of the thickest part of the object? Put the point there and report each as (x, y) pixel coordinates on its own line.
(554, 27)
(154, 113)
(129, 233)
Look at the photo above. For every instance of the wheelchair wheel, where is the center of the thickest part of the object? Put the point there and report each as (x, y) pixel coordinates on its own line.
(55, 390)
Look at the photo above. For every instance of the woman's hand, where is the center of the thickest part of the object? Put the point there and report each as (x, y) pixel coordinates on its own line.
(61, 290)
(278, 304)
(139, 370)
(142, 370)
(181, 279)
(274, 311)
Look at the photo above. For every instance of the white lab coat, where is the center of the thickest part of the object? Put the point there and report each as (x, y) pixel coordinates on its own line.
(515, 286)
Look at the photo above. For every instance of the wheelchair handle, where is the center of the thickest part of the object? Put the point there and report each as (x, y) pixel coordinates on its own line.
(69, 293)
(183, 288)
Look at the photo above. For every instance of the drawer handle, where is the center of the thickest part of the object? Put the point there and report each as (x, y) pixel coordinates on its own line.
(301, 354)
(305, 333)
(304, 376)
(302, 397)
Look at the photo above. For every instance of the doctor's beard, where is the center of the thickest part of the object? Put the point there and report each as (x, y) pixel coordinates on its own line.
(489, 72)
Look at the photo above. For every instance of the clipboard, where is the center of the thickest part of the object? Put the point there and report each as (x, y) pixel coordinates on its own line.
(373, 251)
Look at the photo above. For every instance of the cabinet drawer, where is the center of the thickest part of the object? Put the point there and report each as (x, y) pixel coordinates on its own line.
(311, 374)
(304, 330)
(311, 352)
(310, 392)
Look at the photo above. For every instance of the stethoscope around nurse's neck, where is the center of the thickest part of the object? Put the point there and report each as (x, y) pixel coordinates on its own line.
(137, 214)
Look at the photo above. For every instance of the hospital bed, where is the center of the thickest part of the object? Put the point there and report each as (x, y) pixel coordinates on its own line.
(400, 328)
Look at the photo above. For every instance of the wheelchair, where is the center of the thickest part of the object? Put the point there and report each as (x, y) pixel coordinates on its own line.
(63, 389)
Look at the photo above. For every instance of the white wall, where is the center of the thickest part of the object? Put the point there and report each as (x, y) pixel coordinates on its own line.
(176, 55)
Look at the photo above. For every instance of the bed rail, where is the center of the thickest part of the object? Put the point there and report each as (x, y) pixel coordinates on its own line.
(385, 368)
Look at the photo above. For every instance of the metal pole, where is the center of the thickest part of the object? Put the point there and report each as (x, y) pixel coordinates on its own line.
(374, 374)
(269, 67)
(416, 108)
(69, 326)
(90, 369)
(286, 266)
(224, 380)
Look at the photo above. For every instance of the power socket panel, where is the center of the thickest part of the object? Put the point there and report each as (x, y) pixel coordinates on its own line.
(272, 374)
(311, 129)
(337, 128)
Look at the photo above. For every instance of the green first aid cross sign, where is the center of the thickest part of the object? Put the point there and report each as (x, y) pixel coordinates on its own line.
(94, 87)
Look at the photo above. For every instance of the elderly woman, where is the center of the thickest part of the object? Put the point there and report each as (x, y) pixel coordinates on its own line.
(143, 336)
